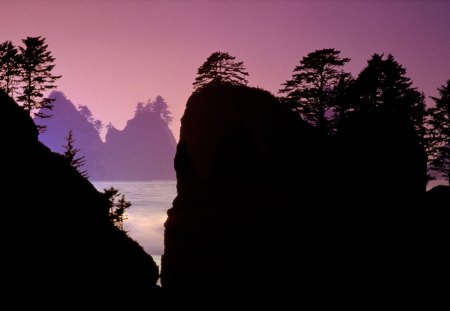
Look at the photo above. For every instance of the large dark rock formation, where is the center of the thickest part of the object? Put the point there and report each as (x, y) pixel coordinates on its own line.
(378, 199)
(58, 244)
(439, 196)
(248, 172)
(266, 205)
(143, 150)
(380, 160)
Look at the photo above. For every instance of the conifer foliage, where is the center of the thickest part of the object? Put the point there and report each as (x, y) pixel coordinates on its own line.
(117, 206)
(70, 153)
(26, 71)
(315, 87)
(220, 68)
(9, 68)
(440, 129)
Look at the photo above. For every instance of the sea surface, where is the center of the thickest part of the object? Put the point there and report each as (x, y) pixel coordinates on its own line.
(150, 201)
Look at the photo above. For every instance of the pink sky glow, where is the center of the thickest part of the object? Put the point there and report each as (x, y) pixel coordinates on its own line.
(113, 54)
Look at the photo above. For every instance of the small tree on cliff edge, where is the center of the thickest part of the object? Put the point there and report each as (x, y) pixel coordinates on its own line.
(220, 68)
(117, 206)
(70, 154)
(160, 107)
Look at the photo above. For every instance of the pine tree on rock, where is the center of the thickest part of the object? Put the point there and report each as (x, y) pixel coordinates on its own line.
(160, 107)
(87, 114)
(140, 108)
(384, 84)
(220, 68)
(315, 87)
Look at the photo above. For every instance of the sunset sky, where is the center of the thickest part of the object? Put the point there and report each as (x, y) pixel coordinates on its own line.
(115, 53)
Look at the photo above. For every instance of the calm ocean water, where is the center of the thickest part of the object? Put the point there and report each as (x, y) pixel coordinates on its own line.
(150, 201)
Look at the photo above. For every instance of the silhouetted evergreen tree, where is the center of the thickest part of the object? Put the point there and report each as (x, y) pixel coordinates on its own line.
(160, 107)
(140, 108)
(87, 114)
(9, 68)
(316, 88)
(117, 206)
(383, 84)
(440, 129)
(70, 153)
(220, 68)
(36, 65)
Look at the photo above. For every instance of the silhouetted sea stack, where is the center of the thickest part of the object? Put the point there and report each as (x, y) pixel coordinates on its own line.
(270, 211)
(65, 118)
(59, 246)
(248, 172)
(143, 150)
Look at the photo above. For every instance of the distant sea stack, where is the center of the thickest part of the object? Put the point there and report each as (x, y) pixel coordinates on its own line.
(65, 118)
(248, 173)
(59, 245)
(143, 150)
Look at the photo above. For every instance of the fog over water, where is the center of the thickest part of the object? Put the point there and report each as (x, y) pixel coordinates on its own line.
(150, 201)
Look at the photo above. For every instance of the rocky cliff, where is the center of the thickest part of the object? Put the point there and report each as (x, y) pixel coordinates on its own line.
(58, 244)
(270, 211)
(248, 172)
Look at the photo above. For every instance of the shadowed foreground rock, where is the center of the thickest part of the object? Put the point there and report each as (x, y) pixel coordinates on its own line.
(59, 245)
(248, 173)
(269, 211)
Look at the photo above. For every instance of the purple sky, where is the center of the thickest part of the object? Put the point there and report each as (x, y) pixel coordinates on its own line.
(113, 54)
